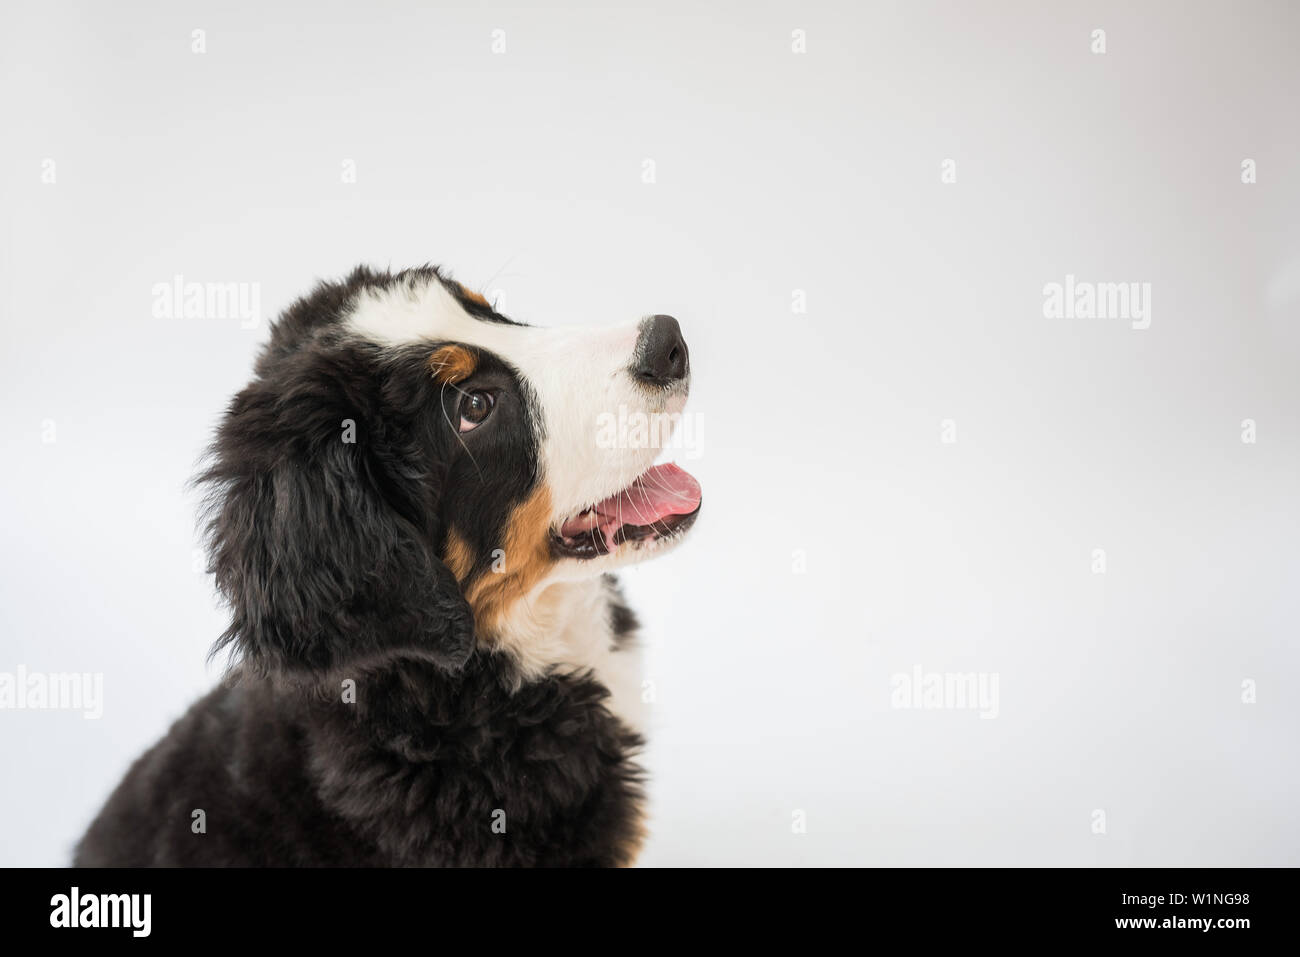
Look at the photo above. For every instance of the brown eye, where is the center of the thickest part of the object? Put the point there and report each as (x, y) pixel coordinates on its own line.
(474, 408)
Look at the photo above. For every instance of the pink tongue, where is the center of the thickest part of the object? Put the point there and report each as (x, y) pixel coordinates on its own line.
(662, 491)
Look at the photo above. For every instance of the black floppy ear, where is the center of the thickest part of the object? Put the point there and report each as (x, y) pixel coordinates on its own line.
(322, 524)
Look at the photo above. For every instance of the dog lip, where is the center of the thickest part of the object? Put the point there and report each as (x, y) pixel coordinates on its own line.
(592, 544)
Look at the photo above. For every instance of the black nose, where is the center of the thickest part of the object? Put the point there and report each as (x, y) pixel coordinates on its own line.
(661, 355)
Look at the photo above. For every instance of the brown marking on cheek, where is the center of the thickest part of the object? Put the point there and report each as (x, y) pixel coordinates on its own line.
(452, 364)
(458, 556)
(527, 560)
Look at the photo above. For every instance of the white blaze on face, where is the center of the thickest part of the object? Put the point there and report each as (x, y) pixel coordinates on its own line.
(577, 374)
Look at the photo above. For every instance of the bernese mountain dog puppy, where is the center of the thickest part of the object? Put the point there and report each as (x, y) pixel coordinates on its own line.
(413, 520)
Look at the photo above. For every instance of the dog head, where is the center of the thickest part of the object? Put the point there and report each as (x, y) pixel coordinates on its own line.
(410, 472)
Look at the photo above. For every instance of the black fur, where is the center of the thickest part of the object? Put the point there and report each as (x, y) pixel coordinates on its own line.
(415, 773)
(623, 620)
(362, 725)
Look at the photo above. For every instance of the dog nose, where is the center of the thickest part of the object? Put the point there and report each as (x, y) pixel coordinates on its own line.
(661, 354)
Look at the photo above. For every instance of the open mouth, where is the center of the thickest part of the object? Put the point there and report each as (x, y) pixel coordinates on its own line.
(661, 503)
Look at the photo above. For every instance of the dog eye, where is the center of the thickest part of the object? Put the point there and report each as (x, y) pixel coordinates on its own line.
(474, 408)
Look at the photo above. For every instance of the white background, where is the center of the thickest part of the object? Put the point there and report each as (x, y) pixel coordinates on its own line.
(819, 431)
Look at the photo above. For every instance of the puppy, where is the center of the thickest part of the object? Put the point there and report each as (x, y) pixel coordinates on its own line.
(413, 510)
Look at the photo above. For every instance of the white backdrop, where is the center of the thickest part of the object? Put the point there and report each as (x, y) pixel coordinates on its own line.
(907, 464)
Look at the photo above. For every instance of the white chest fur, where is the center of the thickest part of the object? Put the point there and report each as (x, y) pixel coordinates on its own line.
(567, 628)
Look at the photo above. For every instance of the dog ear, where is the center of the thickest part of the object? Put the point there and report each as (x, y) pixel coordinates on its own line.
(322, 522)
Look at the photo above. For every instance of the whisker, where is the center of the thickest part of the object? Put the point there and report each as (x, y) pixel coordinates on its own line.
(455, 430)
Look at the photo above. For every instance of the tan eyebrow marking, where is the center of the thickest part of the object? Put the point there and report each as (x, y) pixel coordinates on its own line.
(474, 296)
(452, 364)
